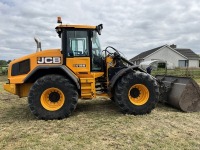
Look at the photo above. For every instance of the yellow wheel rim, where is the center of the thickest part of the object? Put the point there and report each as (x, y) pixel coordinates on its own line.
(138, 94)
(52, 99)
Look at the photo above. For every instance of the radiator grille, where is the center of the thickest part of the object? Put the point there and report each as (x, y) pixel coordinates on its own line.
(20, 68)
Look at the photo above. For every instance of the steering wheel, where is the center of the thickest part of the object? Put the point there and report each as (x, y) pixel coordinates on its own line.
(78, 53)
(86, 52)
(110, 53)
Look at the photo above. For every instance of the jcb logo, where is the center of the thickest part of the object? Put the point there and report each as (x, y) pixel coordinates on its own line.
(49, 60)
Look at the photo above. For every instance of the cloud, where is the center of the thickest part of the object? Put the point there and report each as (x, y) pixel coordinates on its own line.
(131, 26)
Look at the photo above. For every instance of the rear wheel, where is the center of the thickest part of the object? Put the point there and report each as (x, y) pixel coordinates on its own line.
(136, 93)
(52, 97)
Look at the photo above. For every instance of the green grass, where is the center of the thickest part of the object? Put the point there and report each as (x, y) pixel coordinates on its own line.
(194, 73)
(96, 124)
(1, 87)
(2, 80)
(197, 80)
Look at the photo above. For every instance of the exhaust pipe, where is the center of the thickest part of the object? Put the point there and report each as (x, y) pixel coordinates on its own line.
(182, 93)
(38, 44)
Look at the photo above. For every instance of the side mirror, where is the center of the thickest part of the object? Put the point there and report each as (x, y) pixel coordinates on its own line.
(99, 28)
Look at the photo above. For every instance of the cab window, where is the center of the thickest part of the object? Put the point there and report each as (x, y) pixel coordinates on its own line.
(96, 53)
(77, 43)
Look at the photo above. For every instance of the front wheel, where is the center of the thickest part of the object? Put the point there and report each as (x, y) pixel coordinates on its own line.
(52, 97)
(136, 93)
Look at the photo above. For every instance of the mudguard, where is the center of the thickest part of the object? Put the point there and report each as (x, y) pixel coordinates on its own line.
(121, 73)
(61, 69)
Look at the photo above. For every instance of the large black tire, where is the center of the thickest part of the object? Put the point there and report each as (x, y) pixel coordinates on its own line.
(52, 97)
(136, 86)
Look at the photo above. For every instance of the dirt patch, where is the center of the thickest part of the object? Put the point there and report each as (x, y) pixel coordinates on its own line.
(3, 78)
(5, 96)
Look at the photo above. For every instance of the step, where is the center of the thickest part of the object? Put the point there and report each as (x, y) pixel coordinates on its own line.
(87, 80)
(86, 95)
(86, 88)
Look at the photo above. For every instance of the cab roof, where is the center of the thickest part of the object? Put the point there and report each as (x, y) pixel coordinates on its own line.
(59, 28)
(76, 26)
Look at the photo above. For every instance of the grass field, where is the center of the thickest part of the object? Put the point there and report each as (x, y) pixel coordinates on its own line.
(96, 124)
(190, 72)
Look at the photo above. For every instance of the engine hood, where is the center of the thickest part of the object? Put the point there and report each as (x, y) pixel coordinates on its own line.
(38, 56)
(21, 67)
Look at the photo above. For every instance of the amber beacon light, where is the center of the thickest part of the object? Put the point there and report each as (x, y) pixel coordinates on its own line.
(59, 20)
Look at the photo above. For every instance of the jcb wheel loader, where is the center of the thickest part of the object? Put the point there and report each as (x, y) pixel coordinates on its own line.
(53, 80)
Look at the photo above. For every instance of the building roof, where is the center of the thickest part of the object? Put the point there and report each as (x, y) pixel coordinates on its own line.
(146, 53)
(187, 53)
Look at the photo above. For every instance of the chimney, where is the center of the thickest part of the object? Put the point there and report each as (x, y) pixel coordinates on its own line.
(173, 46)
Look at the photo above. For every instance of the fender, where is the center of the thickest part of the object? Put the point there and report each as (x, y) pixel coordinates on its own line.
(44, 70)
(121, 73)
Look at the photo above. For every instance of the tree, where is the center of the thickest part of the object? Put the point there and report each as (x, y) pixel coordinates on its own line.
(8, 61)
(3, 62)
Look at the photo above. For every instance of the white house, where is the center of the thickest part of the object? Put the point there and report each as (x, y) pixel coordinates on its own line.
(179, 57)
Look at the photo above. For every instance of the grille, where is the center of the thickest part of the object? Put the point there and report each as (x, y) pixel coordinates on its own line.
(20, 68)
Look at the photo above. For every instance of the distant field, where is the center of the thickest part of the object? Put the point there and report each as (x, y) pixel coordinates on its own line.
(96, 124)
(191, 72)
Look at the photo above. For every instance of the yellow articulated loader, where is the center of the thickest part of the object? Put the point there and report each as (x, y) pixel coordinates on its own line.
(54, 80)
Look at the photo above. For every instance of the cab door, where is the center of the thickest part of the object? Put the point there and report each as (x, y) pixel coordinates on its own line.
(77, 56)
(96, 54)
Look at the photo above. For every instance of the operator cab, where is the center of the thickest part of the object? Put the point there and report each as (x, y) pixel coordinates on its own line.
(81, 42)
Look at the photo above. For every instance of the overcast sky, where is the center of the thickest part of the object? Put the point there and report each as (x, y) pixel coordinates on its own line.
(131, 26)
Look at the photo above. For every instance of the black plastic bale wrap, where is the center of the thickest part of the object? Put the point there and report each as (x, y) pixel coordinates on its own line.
(180, 92)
